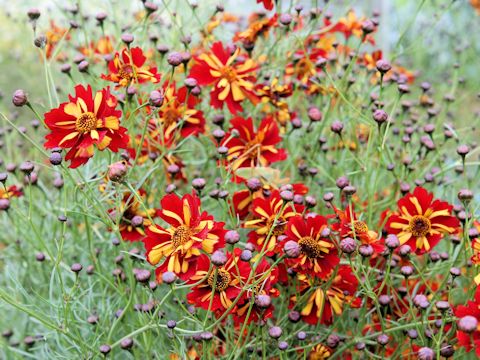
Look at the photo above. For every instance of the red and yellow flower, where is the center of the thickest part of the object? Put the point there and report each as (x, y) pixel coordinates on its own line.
(259, 25)
(269, 221)
(351, 25)
(86, 122)
(348, 225)
(130, 208)
(324, 304)
(224, 283)
(253, 147)
(266, 277)
(9, 192)
(178, 114)
(303, 66)
(129, 68)
(421, 221)
(274, 95)
(318, 254)
(319, 352)
(472, 308)
(233, 77)
(103, 46)
(54, 35)
(190, 232)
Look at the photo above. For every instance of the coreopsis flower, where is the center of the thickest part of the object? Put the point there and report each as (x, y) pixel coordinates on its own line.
(232, 77)
(9, 192)
(129, 68)
(190, 232)
(253, 147)
(369, 60)
(267, 4)
(97, 49)
(133, 217)
(318, 254)
(476, 251)
(421, 221)
(269, 221)
(319, 352)
(323, 304)
(258, 26)
(178, 114)
(348, 225)
(273, 94)
(224, 283)
(85, 122)
(53, 35)
(351, 25)
(267, 277)
(304, 66)
(468, 332)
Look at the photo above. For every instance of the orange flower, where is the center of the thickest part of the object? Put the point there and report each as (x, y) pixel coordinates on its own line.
(11, 191)
(258, 25)
(98, 49)
(476, 5)
(130, 69)
(54, 35)
(269, 221)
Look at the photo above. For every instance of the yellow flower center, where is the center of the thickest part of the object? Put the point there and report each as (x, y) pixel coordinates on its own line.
(360, 227)
(320, 352)
(222, 282)
(277, 227)
(126, 72)
(419, 225)
(251, 149)
(229, 74)
(180, 236)
(86, 122)
(310, 247)
(170, 116)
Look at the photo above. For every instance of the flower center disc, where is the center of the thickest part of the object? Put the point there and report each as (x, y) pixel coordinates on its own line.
(170, 116)
(126, 72)
(222, 282)
(86, 122)
(310, 247)
(419, 225)
(360, 227)
(229, 74)
(251, 149)
(181, 235)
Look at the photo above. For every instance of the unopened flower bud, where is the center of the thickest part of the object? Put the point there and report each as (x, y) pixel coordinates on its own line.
(117, 171)
(19, 98)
